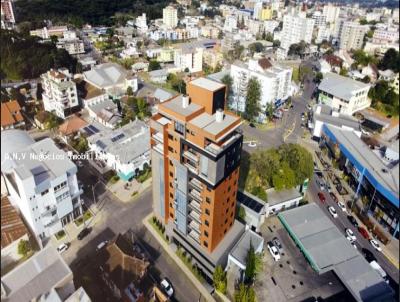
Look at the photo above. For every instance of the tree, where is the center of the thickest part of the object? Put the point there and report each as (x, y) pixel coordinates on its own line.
(318, 77)
(245, 294)
(256, 47)
(228, 81)
(219, 279)
(154, 65)
(362, 58)
(391, 60)
(253, 97)
(253, 265)
(23, 247)
(304, 71)
(343, 71)
(139, 44)
(81, 144)
(384, 98)
(143, 108)
(259, 191)
(297, 48)
(366, 79)
(276, 43)
(241, 214)
(269, 37)
(269, 111)
(129, 91)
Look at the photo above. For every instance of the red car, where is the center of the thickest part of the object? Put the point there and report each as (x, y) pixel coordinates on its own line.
(321, 196)
(363, 232)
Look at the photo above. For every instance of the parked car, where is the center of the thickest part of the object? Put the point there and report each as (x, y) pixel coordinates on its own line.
(273, 251)
(363, 232)
(350, 235)
(321, 196)
(309, 107)
(328, 188)
(332, 211)
(320, 184)
(278, 244)
(319, 174)
(252, 125)
(63, 247)
(101, 245)
(368, 255)
(342, 206)
(167, 287)
(375, 245)
(334, 197)
(352, 220)
(84, 233)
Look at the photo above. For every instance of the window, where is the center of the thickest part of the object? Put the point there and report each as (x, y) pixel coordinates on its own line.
(170, 163)
(170, 137)
(226, 220)
(62, 196)
(208, 189)
(171, 174)
(170, 204)
(45, 192)
(208, 212)
(180, 128)
(206, 223)
(229, 188)
(170, 149)
(60, 186)
(226, 211)
(54, 213)
(170, 185)
(206, 234)
(205, 243)
(171, 215)
(208, 200)
(225, 231)
(171, 195)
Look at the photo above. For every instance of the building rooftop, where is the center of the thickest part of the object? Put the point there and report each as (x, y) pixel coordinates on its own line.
(337, 119)
(12, 226)
(175, 105)
(361, 152)
(277, 197)
(106, 75)
(340, 86)
(250, 201)
(129, 143)
(208, 122)
(88, 91)
(10, 113)
(326, 248)
(162, 95)
(207, 84)
(72, 125)
(38, 275)
(241, 249)
(41, 160)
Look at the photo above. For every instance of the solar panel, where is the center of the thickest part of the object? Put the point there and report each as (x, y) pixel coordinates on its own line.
(118, 137)
(101, 145)
(249, 202)
(88, 131)
(93, 128)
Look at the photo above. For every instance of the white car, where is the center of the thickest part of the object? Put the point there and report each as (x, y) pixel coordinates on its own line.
(332, 211)
(167, 287)
(62, 248)
(350, 235)
(375, 245)
(273, 251)
(342, 206)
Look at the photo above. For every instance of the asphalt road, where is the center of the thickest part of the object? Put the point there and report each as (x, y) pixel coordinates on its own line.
(342, 223)
(119, 217)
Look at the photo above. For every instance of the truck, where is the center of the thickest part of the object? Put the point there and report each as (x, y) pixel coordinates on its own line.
(375, 265)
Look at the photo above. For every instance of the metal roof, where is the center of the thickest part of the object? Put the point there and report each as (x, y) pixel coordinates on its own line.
(105, 75)
(327, 249)
(207, 84)
(277, 197)
(176, 106)
(241, 249)
(340, 86)
(208, 122)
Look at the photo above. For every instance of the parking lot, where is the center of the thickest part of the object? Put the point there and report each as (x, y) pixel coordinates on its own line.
(291, 278)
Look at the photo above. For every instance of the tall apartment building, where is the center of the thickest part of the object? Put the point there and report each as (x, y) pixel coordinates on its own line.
(319, 19)
(7, 14)
(41, 181)
(188, 57)
(351, 35)
(170, 16)
(331, 12)
(59, 92)
(274, 80)
(141, 23)
(71, 43)
(296, 28)
(196, 148)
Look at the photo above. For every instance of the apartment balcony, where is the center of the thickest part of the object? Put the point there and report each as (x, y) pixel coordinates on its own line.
(49, 223)
(159, 148)
(191, 156)
(196, 184)
(196, 195)
(194, 226)
(195, 236)
(192, 168)
(213, 148)
(195, 205)
(196, 216)
(48, 210)
(158, 137)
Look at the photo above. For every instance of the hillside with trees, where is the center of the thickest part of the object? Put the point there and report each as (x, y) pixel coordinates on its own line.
(79, 12)
(24, 57)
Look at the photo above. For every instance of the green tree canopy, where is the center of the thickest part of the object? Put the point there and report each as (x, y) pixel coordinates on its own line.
(245, 294)
(391, 60)
(154, 65)
(253, 97)
(23, 247)
(384, 98)
(256, 47)
(219, 279)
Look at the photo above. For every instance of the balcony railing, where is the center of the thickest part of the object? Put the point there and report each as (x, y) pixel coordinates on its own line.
(192, 168)
(194, 226)
(159, 148)
(196, 195)
(196, 184)
(194, 235)
(195, 205)
(195, 216)
(191, 156)
(158, 137)
(48, 210)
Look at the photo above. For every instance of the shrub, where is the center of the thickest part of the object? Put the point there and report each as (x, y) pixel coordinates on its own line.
(154, 219)
(23, 247)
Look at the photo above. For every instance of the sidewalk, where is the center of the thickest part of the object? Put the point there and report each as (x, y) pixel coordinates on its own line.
(177, 260)
(128, 191)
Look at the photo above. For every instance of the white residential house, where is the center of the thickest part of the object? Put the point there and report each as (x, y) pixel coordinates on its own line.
(112, 78)
(71, 43)
(104, 111)
(59, 92)
(275, 82)
(125, 150)
(41, 181)
(343, 94)
(189, 57)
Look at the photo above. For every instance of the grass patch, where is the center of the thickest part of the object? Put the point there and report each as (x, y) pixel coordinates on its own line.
(186, 260)
(157, 225)
(87, 215)
(113, 179)
(134, 194)
(144, 175)
(59, 235)
(295, 75)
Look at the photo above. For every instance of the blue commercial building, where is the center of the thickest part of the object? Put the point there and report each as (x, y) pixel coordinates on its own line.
(374, 176)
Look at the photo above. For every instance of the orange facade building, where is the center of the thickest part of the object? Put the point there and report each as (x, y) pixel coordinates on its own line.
(196, 148)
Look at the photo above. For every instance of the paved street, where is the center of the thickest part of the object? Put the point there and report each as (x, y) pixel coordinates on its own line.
(342, 223)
